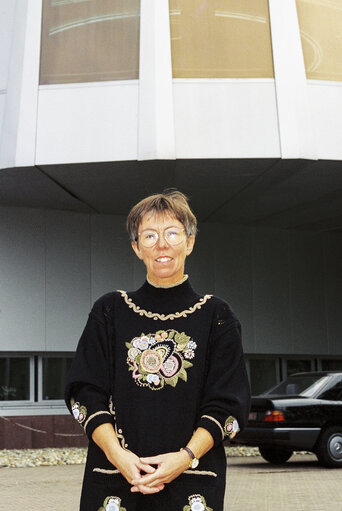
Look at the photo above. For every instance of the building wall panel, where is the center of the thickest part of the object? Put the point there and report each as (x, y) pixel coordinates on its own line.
(226, 119)
(231, 247)
(22, 280)
(67, 278)
(271, 302)
(84, 123)
(112, 259)
(307, 293)
(333, 287)
(326, 113)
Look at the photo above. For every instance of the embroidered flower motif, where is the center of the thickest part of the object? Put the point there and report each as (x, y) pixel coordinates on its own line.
(133, 353)
(153, 378)
(141, 342)
(112, 504)
(151, 361)
(189, 354)
(197, 503)
(79, 412)
(231, 426)
(192, 345)
(160, 359)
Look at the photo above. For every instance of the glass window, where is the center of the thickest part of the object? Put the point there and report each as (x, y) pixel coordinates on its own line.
(220, 39)
(263, 374)
(297, 366)
(331, 364)
(299, 385)
(14, 378)
(89, 40)
(320, 24)
(55, 371)
(334, 393)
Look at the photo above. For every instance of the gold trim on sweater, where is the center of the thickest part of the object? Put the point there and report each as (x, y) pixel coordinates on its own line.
(163, 317)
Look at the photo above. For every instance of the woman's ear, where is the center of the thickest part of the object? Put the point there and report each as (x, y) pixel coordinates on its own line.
(190, 244)
(136, 249)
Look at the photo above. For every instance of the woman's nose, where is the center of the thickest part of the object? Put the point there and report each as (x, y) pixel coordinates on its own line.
(162, 241)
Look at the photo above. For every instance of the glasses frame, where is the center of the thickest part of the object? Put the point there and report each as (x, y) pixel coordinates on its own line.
(158, 236)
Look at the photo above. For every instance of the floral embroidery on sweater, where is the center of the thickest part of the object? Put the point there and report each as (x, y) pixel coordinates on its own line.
(197, 503)
(160, 359)
(112, 504)
(79, 411)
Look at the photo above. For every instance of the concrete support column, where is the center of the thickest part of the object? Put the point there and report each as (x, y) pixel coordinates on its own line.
(156, 136)
(18, 142)
(297, 137)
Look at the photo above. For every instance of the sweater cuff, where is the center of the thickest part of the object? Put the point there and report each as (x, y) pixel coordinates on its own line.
(217, 431)
(213, 426)
(95, 420)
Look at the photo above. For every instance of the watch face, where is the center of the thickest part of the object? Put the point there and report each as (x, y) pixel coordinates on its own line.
(194, 463)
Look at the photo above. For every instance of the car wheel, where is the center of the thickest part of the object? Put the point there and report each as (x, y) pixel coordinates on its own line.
(275, 455)
(329, 449)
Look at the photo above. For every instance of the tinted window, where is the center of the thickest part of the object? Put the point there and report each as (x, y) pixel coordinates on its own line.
(262, 374)
(89, 40)
(334, 393)
(55, 370)
(297, 366)
(305, 386)
(14, 378)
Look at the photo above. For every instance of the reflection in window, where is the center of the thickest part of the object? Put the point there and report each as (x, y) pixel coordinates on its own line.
(220, 39)
(297, 366)
(55, 371)
(331, 364)
(14, 378)
(320, 24)
(89, 40)
(263, 374)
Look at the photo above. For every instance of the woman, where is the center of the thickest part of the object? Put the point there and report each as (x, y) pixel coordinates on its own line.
(159, 379)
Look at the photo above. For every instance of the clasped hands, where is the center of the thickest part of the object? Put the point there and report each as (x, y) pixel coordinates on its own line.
(147, 479)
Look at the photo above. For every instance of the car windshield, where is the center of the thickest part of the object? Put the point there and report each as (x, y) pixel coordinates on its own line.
(305, 386)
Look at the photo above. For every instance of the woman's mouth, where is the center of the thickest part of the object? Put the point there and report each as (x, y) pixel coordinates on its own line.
(163, 259)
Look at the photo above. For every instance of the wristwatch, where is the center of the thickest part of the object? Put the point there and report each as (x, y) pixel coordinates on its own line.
(194, 462)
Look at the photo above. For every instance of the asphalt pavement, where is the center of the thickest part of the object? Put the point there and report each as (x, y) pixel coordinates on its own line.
(252, 485)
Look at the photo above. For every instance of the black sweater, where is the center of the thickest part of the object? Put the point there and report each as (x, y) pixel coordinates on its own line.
(158, 363)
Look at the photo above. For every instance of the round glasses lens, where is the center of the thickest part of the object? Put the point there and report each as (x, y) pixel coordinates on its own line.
(149, 238)
(174, 236)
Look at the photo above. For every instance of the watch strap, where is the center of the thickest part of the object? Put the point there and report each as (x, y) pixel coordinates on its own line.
(189, 451)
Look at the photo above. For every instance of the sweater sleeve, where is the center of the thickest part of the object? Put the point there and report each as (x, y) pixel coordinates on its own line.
(88, 388)
(226, 398)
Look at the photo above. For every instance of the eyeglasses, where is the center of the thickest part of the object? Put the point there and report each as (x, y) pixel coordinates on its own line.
(172, 235)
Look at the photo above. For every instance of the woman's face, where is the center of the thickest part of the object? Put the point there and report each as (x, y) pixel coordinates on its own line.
(164, 262)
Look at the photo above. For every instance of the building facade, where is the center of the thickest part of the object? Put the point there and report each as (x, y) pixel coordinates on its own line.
(237, 104)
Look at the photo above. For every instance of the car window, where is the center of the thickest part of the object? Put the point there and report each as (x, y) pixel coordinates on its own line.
(334, 393)
(305, 386)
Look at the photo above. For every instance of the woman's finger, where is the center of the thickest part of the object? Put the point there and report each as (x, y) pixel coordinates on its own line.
(147, 489)
(153, 460)
(150, 479)
(146, 467)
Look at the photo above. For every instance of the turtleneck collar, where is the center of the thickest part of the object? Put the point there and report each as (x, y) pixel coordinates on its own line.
(161, 286)
(165, 299)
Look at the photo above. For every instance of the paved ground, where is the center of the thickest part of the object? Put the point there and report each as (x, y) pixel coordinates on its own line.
(252, 485)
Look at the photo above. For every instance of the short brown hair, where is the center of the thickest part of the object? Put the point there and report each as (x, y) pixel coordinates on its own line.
(173, 202)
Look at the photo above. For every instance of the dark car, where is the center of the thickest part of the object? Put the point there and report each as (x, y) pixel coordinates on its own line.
(304, 412)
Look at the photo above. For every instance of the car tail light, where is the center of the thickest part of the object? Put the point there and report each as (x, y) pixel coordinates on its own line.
(274, 416)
